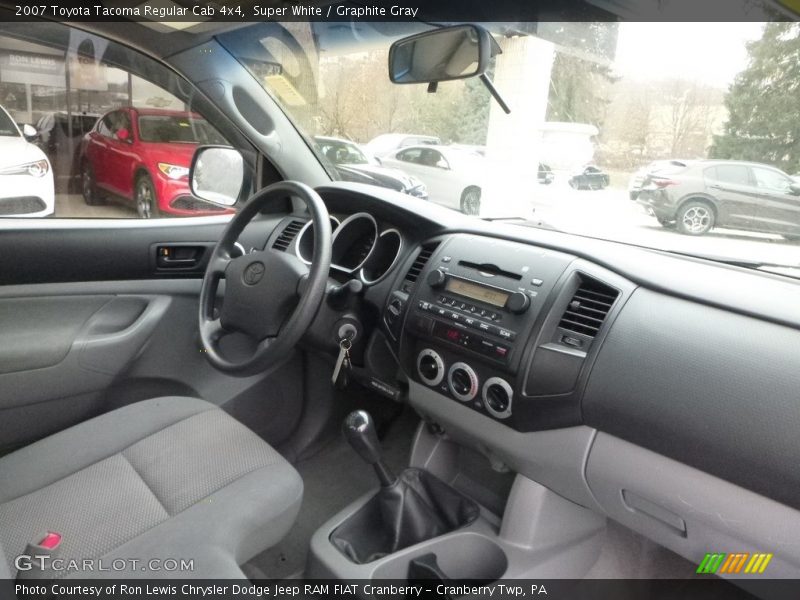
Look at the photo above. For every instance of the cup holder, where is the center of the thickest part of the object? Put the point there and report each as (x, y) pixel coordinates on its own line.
(463, 556)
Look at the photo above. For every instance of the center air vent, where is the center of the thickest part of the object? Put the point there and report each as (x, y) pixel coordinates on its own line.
(288, 234)
(588, 308)
(419, 263)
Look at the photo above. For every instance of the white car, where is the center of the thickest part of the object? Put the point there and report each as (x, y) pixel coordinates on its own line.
(452, 176)
(387, 143)
(26, 178)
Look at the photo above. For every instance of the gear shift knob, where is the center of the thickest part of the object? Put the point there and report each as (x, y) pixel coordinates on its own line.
(359, 429)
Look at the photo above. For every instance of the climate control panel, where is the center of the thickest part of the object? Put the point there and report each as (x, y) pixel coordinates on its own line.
(461, 381)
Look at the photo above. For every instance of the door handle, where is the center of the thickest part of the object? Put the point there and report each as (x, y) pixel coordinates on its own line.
(178, 256)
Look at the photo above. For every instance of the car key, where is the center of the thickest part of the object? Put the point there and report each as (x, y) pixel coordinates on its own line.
(339, 378)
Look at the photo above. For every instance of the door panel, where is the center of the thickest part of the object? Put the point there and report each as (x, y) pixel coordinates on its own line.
(89, 323)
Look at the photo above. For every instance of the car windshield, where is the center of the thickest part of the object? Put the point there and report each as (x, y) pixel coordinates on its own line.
(177, 129)
(7, 127)
(653, 109)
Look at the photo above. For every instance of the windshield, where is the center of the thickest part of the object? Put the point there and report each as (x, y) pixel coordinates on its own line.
(7, 127)
(641, 133)
(177, 129)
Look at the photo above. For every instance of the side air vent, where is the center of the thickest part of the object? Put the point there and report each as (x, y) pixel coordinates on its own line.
(419, 263)
(588, 308)
(287, 235)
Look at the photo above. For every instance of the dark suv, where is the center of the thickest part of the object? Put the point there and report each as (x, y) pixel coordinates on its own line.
(696, 196)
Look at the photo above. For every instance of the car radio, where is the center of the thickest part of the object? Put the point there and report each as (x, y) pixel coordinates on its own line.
(471, 315)
(479, 307)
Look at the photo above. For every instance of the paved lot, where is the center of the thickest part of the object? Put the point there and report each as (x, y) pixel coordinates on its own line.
(610, 214)
(72, 205)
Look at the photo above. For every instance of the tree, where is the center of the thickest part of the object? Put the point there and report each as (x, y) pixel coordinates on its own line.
(764, 111)
(578, 90)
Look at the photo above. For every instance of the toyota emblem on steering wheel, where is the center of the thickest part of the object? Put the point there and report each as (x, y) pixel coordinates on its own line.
(253, 273)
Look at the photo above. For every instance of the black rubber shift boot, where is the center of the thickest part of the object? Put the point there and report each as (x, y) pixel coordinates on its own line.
(416, 508)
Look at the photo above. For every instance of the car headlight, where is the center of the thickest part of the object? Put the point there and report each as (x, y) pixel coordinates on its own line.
(37, 168)
(173, 171)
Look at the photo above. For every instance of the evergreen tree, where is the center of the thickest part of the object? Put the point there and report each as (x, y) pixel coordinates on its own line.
(764, 102)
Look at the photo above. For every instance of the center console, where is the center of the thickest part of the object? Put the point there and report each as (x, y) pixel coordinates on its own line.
(503, 328)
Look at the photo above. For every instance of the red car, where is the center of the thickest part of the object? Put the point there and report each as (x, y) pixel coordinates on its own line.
(143, 156)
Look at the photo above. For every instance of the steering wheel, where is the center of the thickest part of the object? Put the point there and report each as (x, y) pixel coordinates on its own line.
(265, 295)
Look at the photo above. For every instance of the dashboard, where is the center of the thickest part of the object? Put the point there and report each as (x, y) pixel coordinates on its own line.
(635, 382)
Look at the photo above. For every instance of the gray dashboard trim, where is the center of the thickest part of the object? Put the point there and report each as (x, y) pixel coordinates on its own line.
(553, 458)
(707, 387)
(718, 516)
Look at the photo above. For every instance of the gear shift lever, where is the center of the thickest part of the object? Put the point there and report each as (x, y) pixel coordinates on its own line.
(359, 429)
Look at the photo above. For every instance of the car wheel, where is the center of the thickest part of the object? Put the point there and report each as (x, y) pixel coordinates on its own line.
(695, 218)
(471, 201)
(89, 187)
(145, 197)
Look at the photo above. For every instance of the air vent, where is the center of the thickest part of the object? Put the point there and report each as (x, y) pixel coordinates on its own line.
(287, 235)
(588, 308)
(419, 263)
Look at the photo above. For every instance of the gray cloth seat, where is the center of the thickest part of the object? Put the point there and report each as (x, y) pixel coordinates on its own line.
(169, 478)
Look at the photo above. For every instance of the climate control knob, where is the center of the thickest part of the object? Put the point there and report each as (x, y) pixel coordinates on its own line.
(462, 381)
(437, 278)
(430, 367)
(497, 397)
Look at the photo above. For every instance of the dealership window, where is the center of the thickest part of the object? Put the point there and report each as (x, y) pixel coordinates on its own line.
(88, 157)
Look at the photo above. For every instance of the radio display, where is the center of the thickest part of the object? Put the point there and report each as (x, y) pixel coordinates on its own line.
(474, 291)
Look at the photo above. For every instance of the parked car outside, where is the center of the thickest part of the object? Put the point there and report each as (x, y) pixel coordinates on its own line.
(354, 164)
(545, 174)
(389, 142)
(60, 137)
(637, 179)
(730, 194)
(26, 177)
(143, 156)
(452, 176)
(589, 178)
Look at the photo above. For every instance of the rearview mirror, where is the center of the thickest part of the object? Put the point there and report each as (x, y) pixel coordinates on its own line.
(441, 55)
(217, 174)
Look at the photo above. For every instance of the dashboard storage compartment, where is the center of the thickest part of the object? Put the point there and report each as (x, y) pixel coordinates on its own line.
(418, 507)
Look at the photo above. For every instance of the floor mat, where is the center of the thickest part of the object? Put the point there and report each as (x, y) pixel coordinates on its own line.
(333, 478)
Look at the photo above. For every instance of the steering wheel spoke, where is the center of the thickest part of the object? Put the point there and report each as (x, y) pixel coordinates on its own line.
(218, 264)
(261, 288)
(212, 330)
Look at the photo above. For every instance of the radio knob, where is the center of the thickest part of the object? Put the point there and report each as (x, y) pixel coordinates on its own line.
(518, 303)
(437, 278)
